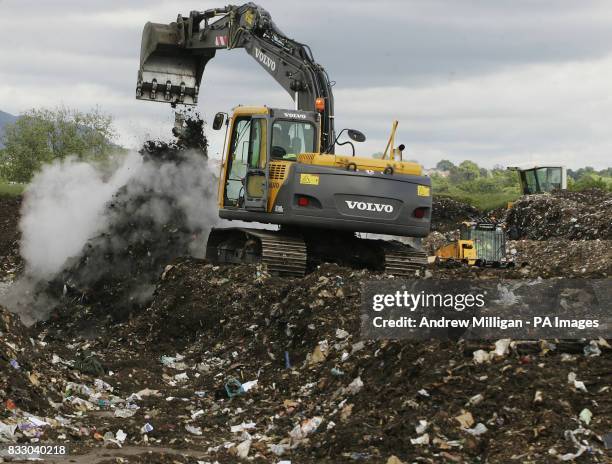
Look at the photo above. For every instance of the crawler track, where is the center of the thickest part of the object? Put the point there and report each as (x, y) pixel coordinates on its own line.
(283, 254)
(293, 254)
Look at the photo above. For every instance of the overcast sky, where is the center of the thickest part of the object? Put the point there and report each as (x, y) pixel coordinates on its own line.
(498, 82)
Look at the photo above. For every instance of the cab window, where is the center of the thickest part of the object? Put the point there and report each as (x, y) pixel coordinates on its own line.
(290, 138)
(239, 153)
(549, 179)
(530, 182)
(257, 145)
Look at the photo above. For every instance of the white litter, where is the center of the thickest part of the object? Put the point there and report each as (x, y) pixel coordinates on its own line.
(586, 416)
(120, 436)
(305, 428)
(422, 427)
(279, 449)
(196, 414)
(502, 346)
(474, 400)
(242, 450)
(242, 427)
(193, 430)
(124, 413)
(478, 430)
(481, 356)
(341, 334)
(578, 385)
(355, 386)
(422, 440)
(246, 386)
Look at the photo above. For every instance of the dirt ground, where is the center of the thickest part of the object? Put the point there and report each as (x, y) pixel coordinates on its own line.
(10, 260)
(228, 361)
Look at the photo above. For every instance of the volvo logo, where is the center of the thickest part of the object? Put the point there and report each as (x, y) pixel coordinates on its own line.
(294, 115)
(265, 59)
(363, 206)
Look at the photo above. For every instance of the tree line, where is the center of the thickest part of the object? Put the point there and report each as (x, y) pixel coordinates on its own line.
(41, 136)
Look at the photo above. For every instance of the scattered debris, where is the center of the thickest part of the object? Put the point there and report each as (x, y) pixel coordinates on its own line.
(268, 367)
(465, 420)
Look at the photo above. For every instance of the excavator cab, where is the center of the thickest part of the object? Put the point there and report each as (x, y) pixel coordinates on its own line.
(262, 142)
(274, 171)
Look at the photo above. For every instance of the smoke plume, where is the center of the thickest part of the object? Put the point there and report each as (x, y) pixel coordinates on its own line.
(101, 235)
(64, 206)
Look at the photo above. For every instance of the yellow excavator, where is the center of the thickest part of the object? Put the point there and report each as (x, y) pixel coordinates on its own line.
(280, 166)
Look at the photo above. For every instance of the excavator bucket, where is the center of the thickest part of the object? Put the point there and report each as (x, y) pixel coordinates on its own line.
(169, 72)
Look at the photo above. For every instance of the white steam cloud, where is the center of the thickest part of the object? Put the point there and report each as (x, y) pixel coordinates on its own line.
(74, 208)
(64, 207)
(66, 204)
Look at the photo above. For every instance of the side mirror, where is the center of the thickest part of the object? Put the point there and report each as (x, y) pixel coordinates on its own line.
(356, 135)
(218, 121)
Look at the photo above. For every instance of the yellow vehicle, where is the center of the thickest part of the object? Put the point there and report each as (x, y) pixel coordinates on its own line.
(460, 251)
(280, 166)
(481, 243)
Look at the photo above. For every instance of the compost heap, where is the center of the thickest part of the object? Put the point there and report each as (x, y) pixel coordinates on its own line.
(448, 213)
(585, 215)
(148, 227)
(230, 362)
(10, 261)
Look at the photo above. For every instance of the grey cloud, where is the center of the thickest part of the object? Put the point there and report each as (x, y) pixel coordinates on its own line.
(86, 53)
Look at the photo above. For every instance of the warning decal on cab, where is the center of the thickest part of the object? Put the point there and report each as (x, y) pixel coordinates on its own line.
(423, 191)
(309, 179)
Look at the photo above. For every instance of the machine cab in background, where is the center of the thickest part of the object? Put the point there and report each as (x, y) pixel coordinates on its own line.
(261, 139)
(541, 179)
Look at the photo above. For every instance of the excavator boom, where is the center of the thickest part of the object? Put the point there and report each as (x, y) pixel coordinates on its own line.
(173, 57)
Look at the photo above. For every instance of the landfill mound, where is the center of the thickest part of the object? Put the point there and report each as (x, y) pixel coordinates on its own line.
(147, 227)
(10, 260)
(448, 213)
(585, 215)
(236, 363)
(563, 257)
(21, 385)
(158, 359)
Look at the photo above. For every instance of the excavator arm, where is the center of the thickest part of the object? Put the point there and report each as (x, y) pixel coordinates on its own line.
(173, 57)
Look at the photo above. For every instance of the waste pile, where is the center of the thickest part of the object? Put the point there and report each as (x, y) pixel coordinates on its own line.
(562, 257)
(585, 215)
(436, 240)
(229, 362)
(149, 358)
(150, 223)
(10, 260)
(448, 213)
